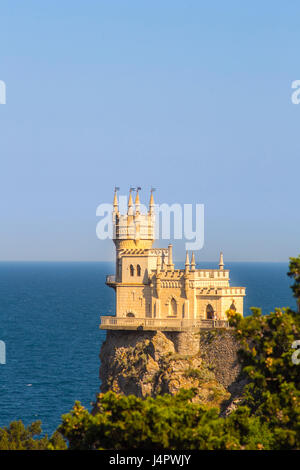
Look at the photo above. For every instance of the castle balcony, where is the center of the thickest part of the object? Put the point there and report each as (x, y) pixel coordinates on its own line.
(110, 280)
(163, 324)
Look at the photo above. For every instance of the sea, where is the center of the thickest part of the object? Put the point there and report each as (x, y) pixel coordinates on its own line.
(49, 322)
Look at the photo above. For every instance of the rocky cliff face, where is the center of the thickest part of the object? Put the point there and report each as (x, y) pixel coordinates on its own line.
(148, 363)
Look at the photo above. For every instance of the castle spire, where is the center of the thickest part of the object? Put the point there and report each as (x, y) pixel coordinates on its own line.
(115, 203)
(130, 202)
(170, 258)
(187, 262)
(151, 204)
(137, 201)
(193, 263)
(221, 262)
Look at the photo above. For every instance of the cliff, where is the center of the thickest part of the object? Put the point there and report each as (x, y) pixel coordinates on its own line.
(148, 363)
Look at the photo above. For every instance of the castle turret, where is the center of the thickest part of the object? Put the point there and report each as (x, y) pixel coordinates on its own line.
(221, 262)
(151, 204)
(133, 230)
(115, 203)
(170, 258)
(193, 263)
(187, 263)
(137, 202)
(116, 228)
(130, 203)
(137, 218)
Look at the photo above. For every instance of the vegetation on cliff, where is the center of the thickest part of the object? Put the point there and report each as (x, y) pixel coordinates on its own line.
(273, 391)
(18, 437)
(164, 422)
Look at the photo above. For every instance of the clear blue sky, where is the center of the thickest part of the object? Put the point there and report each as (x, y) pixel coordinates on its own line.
(191, 97)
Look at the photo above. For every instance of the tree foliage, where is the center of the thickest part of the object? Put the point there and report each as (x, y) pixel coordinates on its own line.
(18, 437)
(164, 422)
(273, 392)
(294, 273)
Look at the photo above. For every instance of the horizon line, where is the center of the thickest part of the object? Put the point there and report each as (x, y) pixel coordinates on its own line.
(112, 261)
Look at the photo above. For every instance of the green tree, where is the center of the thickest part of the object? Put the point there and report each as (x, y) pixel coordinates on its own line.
(273, 392)
(164, 422)
(19, 437)
(294, 272)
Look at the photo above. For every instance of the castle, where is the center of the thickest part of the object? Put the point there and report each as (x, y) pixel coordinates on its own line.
(150, 293)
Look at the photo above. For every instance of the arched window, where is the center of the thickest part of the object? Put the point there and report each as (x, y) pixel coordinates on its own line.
(131, 270)
(210, 312)
(173, 307)
(233, 307)
(138, 270)
(130, 314)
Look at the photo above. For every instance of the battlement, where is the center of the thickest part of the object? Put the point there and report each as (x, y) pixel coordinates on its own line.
(136, 226)
(197, 274)
(133, 230)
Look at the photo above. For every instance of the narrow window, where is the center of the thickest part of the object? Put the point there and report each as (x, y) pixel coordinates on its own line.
(173, 307)
(131, 270)
(138, 270)
(210, 312)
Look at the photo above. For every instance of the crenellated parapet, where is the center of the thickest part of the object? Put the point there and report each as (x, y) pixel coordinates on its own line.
(133, 229)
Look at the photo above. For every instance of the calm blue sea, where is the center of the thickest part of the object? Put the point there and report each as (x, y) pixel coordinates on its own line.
(49, 320)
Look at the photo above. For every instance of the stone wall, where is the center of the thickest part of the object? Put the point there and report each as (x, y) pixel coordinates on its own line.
(184, 342)
(219, 350)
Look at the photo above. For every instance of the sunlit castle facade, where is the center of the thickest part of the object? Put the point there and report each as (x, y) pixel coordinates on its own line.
(150, 293)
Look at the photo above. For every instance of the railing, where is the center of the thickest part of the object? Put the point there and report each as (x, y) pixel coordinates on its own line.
(160, 323)
(111, 279)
